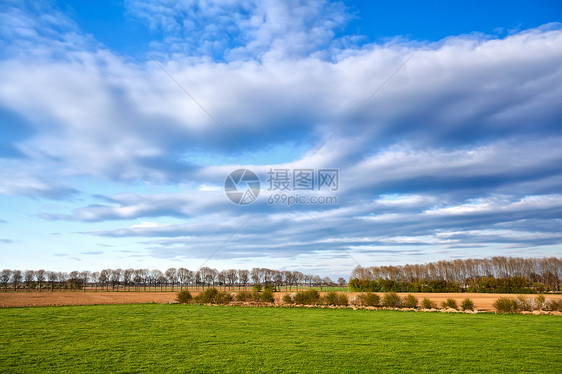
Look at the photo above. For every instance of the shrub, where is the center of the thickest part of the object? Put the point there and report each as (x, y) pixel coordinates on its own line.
(540, 302)
(287, 299)
(184, 297)
(392, 300)
(554, 306)
(309, 297)
(244, 296)
(213, 296)
(257, 287)
(505, 305)
(223, 298)
(256, 295)
(267, 295)
(269, 287)
(334, 298)
(467, 304)
(208, 296)
(428, 304)
(449, 303)
(523, 303)
(331, 298)
(369, 299)
(410, 301)
(342, 299)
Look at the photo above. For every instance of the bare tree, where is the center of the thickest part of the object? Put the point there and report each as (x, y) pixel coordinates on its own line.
(221, 277)
(326, 282)
(74, 280)
(342, 282)
(5, 278)
(128, 275)
(63, 279)
(16, 279)
(255, 275)
(40, 278)
(172, 276)
(104, 277)
(243, 277)
(184, 276)
(52, 277)
(85, 277)
(231, 277)
(157, 278)
(28, 275)
(298, 278)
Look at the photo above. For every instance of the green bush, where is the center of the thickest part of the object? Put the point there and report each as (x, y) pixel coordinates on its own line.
(244, 296)
(267, 295)
(213, 296)
(467, 304)
(449, 303)
(309, 297)
(331, 298)
(256, 295)
(428, 304)
(410, 301)
(505, 305)
(369, 299)
(287, 299)
(335, 298)
(392, 300)
(184, 297)
(269, 287)
(257, 287)
(342, 299)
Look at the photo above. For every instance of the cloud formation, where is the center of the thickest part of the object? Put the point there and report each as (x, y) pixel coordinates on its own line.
(459, 150)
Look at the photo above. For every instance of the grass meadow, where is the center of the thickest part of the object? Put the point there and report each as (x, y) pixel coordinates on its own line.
(195, 338)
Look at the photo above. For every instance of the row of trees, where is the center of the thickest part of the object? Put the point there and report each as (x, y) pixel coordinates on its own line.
(143, 279)
(496, 274)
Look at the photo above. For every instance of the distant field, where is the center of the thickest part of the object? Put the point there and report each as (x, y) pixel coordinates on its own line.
(179, 338)
(483, 301)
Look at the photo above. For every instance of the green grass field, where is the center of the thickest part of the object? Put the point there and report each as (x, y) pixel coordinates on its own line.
(181, 338)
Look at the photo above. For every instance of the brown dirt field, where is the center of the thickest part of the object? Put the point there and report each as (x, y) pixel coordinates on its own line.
(22, 299)
(19, 299)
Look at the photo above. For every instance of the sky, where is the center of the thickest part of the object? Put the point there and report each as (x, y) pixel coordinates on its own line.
(379, 133)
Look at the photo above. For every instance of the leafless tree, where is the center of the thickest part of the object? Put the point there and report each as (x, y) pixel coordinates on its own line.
(52, 277)
(5, 278)
(104, 277)
(157, 277)
(28, 277)
(184, 276)
(342, 282)
(85, 277)
(172, 276)
(40, 278)
(128, 275)
(16, 279)
(255, 275)
(232, 277)
(243, 277)
(221, 278)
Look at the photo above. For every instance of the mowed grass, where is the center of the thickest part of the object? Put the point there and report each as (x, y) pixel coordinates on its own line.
(193, 338)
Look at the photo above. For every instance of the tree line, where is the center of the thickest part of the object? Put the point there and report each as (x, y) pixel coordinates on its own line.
(154, 279)
(496, 274)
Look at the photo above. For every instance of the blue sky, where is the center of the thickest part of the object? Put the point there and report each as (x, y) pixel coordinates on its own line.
(106, 162)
